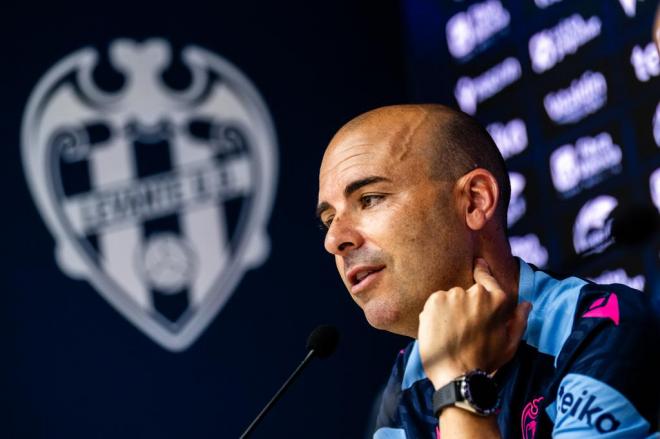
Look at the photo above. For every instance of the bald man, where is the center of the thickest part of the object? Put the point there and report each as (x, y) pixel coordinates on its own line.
(414, 200)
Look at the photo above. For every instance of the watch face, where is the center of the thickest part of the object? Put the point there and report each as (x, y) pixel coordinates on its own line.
(481, 391)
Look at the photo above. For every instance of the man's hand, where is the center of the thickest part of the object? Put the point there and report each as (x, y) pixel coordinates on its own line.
(460, 330)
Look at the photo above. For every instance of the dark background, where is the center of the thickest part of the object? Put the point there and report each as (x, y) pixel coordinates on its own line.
(73, 367)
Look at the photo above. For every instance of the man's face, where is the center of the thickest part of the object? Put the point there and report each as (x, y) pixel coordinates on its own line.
(396, 234)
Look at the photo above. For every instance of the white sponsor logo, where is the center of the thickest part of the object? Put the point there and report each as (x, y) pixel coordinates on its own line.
(470, 92)
(158, 197)
(583, 97)
(619, 276)
(517, 205)
(654, 184)
(578, 408)
(545, 3)
(592, 228)
(645, 62)
(550, 46)
(510, 137)
(529, 248)
(629, 7)
(584, 164)
(467, 30)
(656, 125)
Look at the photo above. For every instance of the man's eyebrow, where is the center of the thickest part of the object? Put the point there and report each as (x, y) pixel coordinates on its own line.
(349, 189)
(352, 187)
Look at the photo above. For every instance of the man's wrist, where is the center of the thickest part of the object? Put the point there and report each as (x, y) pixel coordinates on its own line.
(443, 377)
(453, 412)
(456, 422)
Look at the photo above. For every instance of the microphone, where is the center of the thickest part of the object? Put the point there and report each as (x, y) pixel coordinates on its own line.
(321, 343)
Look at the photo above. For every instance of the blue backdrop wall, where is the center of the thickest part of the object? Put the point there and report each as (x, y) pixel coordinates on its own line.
(75, 366)
(162, 263)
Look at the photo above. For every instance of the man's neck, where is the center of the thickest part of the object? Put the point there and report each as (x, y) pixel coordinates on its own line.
(506, 270)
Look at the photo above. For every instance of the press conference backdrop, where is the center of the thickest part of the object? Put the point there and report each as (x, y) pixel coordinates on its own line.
(570, 92)
(162, 265)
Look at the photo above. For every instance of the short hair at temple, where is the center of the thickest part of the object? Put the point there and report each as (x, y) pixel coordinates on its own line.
(462, 145)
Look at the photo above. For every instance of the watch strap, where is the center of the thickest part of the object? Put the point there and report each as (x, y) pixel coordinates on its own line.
(447, 395)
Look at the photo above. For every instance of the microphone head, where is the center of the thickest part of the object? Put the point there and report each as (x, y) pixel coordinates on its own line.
(323, 340)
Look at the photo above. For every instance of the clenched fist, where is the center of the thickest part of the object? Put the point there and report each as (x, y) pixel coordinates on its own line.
(460, 330)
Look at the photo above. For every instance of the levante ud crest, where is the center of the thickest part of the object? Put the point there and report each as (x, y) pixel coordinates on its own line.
(158, 196)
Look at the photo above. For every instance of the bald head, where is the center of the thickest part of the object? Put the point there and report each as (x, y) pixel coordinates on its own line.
(452, 142)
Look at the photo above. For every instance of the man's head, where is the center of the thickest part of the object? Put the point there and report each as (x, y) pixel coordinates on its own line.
(410, 194)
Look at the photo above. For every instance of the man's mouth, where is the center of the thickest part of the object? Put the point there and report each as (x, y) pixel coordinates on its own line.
(361, 277)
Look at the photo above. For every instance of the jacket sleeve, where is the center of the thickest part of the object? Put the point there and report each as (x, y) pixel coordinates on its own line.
(608, 369)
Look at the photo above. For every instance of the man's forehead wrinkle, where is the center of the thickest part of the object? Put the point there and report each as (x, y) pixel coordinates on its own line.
(403, 140)
(346, 171)
(336, 166)
(351, 166)
(344, 144)
(347, 143)
(392, 134)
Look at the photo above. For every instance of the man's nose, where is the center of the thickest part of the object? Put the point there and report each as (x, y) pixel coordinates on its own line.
(342, 236)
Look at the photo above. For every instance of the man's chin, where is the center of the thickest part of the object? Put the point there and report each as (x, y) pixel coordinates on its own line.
(383, 316)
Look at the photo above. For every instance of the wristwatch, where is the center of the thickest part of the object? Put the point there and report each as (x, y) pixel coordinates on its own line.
(475, 391)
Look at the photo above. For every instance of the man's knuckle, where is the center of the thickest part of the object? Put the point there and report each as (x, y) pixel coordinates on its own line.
(500, 296)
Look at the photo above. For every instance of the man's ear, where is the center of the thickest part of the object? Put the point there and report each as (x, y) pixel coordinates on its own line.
(479, 195)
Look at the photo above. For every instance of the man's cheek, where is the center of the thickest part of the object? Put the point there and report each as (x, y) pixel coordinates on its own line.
(339, 262)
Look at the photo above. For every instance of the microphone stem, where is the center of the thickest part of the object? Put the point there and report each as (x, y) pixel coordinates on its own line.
(277, 395)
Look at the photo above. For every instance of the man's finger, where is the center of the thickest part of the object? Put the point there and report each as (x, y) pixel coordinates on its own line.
(483, 276)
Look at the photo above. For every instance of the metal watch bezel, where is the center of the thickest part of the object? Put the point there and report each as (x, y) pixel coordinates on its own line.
(468, 402)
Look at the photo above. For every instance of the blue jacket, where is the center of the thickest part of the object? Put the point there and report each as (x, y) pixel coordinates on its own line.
(588, 366)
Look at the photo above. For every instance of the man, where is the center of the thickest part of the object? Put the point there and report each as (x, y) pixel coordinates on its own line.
(414, 199)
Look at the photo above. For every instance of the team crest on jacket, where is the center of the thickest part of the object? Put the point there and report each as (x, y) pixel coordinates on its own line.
(157, 195)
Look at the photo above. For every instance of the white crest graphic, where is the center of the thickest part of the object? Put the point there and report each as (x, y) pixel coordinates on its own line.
(158, 197)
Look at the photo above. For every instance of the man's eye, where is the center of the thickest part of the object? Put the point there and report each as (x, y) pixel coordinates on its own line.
(325, 224)
(370, 199)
